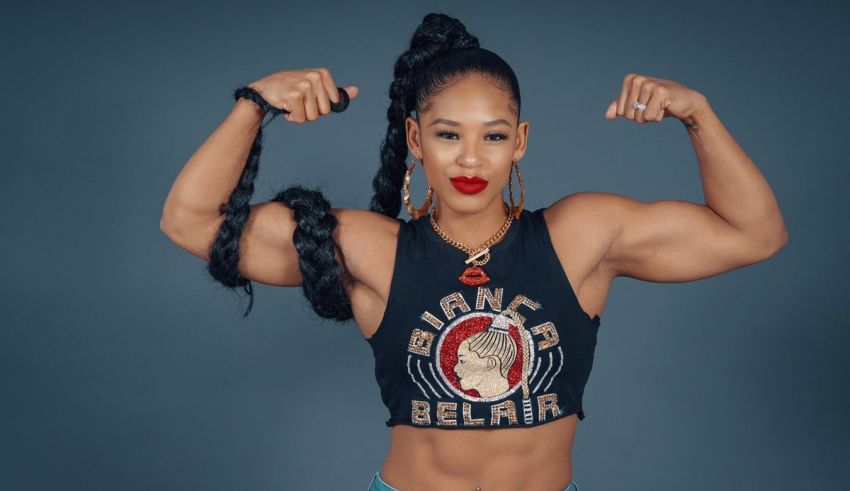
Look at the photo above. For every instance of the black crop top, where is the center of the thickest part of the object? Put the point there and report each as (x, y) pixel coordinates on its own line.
(515, 351)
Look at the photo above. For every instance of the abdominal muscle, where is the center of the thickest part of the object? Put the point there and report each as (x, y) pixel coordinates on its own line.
(506, 459)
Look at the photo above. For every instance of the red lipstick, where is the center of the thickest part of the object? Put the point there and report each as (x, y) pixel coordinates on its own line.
(469, 185)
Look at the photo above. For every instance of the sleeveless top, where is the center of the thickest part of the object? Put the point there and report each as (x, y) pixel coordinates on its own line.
(515, 351)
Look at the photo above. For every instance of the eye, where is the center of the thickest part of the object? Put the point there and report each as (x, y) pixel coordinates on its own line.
(450, 135)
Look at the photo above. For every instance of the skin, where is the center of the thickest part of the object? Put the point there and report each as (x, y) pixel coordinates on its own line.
(453, 139)
(604, 235)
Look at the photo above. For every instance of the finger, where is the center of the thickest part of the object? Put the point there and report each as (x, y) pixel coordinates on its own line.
(352, 90)
(296, 102)
(654, 107)
(644, 97)
(329, 84)
(611, 112)
(634, 95)
(665, 103)
(324, 105)
(311, 107)
(624, 93)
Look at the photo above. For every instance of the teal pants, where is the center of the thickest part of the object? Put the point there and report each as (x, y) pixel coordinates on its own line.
(378, 484)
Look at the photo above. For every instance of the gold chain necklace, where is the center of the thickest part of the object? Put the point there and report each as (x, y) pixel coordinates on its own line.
(475, 275)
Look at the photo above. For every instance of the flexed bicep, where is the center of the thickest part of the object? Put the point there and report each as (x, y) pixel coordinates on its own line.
(674, 240)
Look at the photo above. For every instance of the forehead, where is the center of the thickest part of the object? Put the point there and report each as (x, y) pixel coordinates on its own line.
(469, 100)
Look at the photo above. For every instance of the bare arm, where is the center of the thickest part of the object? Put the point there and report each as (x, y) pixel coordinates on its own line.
(674, 240)
(211, 174)
(192, 214)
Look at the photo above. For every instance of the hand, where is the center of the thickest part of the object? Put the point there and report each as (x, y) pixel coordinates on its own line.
(662, 98)
(306, 93)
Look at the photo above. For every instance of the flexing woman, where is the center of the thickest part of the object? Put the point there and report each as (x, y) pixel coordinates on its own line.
(482, 315)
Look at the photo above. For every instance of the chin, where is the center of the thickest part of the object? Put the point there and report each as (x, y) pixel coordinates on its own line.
(468, 203)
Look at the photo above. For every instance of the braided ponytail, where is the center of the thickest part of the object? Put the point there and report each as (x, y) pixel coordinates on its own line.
(437, 35)
(440, 50)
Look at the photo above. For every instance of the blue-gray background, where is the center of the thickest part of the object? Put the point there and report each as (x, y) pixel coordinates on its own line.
(124, 366)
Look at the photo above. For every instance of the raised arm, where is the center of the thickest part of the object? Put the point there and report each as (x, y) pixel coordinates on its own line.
(192, 214)
(675, 240)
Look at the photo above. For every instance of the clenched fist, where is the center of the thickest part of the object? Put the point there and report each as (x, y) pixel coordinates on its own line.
(305, 94)
(661, 97)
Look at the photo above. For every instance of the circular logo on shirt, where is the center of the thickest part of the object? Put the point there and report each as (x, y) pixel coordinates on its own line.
(480, 356)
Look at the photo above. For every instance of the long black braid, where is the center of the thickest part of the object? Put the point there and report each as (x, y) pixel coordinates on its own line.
(441, 50)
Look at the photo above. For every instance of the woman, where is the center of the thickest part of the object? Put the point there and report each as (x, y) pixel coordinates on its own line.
(482, 315)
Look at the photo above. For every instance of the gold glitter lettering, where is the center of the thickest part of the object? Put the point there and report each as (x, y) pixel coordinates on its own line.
(547, 402)
(420, 342)
(446, 414)
(495, 300)
(521, 299)
(503, 409)
(451, 302)
(431, 319)
(420, 412)
(468, 420)
(550, 335)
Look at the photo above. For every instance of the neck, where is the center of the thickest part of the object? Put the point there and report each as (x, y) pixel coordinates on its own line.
(472, 229)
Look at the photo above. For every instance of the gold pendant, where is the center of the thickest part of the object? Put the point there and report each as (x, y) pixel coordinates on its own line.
(475, 275)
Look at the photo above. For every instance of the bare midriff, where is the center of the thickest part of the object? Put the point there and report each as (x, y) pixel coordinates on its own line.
(538, 457)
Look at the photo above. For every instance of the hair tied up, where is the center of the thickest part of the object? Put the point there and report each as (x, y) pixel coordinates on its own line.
(441, 50)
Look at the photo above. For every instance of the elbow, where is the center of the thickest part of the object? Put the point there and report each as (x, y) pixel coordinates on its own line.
(175, 219)
(177, 234)
(781, 240)
(758, 246)
(165, 225)
(774, 243)
(784, 238)
(169, 225)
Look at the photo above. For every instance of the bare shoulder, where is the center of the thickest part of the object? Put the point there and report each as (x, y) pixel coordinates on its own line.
(588, 207)
(367, 243)
(582, 226)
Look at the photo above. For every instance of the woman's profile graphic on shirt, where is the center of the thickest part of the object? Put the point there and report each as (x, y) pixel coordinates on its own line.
(484, 360)
(484, 357)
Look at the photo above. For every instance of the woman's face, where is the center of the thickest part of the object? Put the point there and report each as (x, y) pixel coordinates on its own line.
(471, 368)
(469, 130)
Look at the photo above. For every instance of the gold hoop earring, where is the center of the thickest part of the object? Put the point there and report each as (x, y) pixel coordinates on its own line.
(516, 209)
(415, 212)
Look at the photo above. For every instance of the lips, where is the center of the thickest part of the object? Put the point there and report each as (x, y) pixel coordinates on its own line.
(469, 185)
(474, 276)
(469, 180)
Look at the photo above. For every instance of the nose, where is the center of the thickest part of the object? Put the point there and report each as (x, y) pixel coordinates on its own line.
(468, 156)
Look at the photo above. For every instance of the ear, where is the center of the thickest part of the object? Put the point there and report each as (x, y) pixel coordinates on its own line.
(521, 139)
(414, 145)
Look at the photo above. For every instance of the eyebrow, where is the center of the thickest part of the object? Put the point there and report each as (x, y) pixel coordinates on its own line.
(449, 122)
